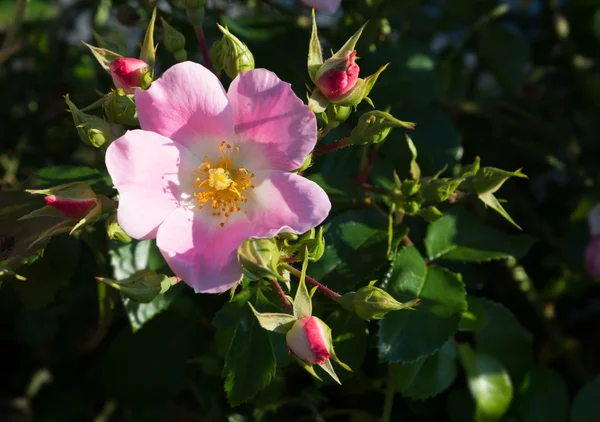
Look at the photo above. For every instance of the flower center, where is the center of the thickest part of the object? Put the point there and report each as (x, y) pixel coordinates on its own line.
(221, 184)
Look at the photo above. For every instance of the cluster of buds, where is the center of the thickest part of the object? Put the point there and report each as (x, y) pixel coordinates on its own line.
(231, 55)
(337, 78)
(308, 338)
(73, 205)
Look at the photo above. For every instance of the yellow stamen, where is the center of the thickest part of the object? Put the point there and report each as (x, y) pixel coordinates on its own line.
(222, 184)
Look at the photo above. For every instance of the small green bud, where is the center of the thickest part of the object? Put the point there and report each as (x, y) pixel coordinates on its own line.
(439, 190)
(143, 286)
(231, 55)
(260, 259)
(374, 126)
(174, 41)
(115, 231)
(337, 114)
(411, 207)
(195, 16)
(92, 130)
(315, 245)
(371, 302)
(410, 187)
(119, 107)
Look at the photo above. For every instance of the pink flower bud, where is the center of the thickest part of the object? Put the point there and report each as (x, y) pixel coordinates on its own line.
(337, 76)
(308, 340)
(592, 257)
(129, 73)
(74, 209)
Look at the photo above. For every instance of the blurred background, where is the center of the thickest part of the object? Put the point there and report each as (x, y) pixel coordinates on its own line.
(516, 83)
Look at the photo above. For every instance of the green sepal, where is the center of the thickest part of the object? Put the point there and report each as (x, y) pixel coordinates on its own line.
(415, 170)
(148, 50)
(103, 55)
(361, 90)
(302, 301)
(143, 286)
(350, 45)
(279, 323)
(315, 51)
(317, 102)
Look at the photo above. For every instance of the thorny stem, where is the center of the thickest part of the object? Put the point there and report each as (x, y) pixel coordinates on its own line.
(282, 297)
(322, 288)
(390, 392)
(203, 46)
(340, 143)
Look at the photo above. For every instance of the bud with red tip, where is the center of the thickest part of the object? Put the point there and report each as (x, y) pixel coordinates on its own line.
(338, 76)
(73, 200)
(308, 341)
(129, 73)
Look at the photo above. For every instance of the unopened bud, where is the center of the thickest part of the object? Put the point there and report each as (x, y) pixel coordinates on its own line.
(120, 108)
(260, 259)
(73, 200)
(174, 41)
(143, 286)
(410, 187)
(371, 302)
(374, 126)
(115, 231)
(231, 55)
(337, 114)
(439, 190)
(129, 73)
(337, 76)
(308, 340)
(92, 130)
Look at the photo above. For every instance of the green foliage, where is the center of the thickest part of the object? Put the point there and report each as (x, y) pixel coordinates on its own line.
(542, 397)
(409, 335)
(585, 405)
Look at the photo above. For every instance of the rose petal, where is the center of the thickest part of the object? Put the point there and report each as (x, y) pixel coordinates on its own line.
(145, 167)
(187, 104)
(200, 252)
(286, 202)
(268, 114)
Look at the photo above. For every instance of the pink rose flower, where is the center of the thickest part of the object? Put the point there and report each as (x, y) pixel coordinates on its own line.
(129, 73)
(326, 6)
(308, 341)
(210, 169)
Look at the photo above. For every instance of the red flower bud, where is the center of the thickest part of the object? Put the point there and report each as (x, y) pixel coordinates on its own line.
(129, 73)
(74, 209)
(337, 76)
(592, 257)
(308, 340)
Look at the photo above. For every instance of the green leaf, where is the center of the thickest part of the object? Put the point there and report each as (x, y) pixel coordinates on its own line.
(58, 175)
(250, 362)
(428, 376)
(506, 54)
(488, 382)
(473, 318)
(355, 248)
(542, 397)
(460, 236)
(409, 335)
(126, 260)
(315, 52)
(586, 406)
(503, 337)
